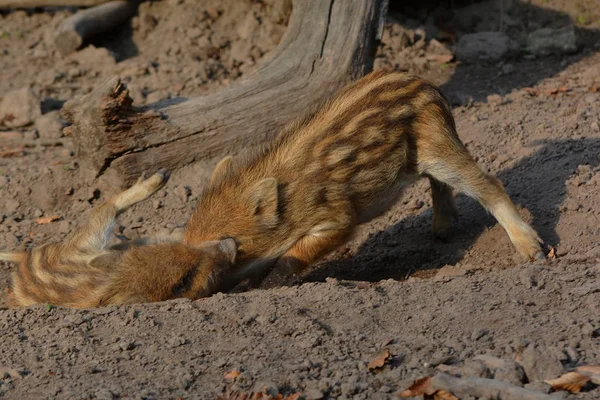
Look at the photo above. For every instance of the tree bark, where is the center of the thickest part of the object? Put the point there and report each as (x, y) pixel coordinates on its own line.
(85, 24)
(49, 3)
(327, 44)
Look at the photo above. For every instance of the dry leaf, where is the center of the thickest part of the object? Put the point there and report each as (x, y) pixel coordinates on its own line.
(380, 360)
(594, 88)
(591, 371)
(47, 220)
(563, 89)
(551, 254)
(551, 91)
(571, 382)
(231, 375)
(294, 396)
(443, 395)
(422, 387)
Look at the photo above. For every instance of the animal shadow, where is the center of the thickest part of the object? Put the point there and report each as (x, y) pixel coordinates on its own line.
(537, 182)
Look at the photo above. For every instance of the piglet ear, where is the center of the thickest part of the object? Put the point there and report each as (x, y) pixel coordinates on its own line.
(229, 249)
(263, 201)
(223, 168)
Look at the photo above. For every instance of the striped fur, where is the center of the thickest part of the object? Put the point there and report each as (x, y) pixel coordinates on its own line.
(346, 163)
(83, 271)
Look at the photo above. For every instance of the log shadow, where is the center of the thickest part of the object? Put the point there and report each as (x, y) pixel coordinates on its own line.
(479, 80)
(119, 42)
(537, 182)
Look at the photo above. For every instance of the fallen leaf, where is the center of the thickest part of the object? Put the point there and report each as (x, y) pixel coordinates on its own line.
(571, 382)
(47, 220)
(443, 395)
(552, 253)
(379, 361)
(594, 88)
(551, 91)
(563, 89)
(591, 371)
(231, 375)
(294, 396)
(422, 387)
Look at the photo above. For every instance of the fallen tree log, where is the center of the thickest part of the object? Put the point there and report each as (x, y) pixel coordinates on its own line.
(85, 24)
(49, 3)
(327, 44)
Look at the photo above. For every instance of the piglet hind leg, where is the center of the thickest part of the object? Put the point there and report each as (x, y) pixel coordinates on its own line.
(447, 161)
(95, 234)
(444, 209)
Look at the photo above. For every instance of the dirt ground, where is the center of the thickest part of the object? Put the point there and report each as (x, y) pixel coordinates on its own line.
(533, 120)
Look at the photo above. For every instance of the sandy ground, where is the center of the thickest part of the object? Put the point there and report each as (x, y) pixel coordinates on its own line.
(532, 121)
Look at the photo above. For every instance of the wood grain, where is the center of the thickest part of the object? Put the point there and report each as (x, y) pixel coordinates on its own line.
(327, 44)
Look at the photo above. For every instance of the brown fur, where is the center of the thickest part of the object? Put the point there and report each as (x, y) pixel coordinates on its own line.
(304, 195)
(84, 272)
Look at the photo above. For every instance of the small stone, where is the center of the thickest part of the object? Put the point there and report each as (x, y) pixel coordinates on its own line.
(268, 388)
(595, 126)
(415, 204)
(540, 364)
(19, 108)
(127, 346)
(63, 226)
(572, 353)
(385, 389)
(475, 369)
(43, 195)
(510, 372)
(176, 341)
(11, 206)
(588, 330)
(30, 136)
(552, 41)
(479, 333)
(49, 126)
(183, 192)
(495, 99)
(491, 46)
(315, 394)
(248, 26)
(104, 394)
(539, 386)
